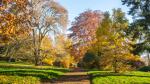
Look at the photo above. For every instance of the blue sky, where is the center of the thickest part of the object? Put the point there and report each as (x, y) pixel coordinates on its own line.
(75, 7)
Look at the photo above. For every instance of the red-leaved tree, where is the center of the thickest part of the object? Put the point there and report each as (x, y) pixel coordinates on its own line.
(83, 31)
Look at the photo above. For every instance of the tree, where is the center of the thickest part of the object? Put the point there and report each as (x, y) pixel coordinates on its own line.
(21, 50)
(140, 28)
(112, 46)
(12, 28)
(35, 18)
(45, 16)
(63, 49)
(47, 51)
(83, 31)
(101, 47)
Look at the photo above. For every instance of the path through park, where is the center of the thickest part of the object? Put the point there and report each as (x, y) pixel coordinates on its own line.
(74, 77)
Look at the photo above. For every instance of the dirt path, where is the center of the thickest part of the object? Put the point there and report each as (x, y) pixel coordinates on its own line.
(75, 77)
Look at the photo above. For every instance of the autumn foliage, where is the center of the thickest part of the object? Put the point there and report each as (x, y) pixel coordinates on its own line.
(84, 31)
(35, 31)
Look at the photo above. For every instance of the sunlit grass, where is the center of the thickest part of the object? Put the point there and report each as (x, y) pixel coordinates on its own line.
(4, 79)
(136, 77)
(17, 73)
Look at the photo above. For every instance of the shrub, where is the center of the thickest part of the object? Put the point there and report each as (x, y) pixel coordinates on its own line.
(67, 61)
(90, 61)
(49, 61)
(145, 68)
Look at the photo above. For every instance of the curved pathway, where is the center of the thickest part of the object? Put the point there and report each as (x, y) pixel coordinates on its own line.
(74, 77)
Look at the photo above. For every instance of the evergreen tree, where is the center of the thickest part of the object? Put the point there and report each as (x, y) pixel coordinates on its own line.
(140, 28)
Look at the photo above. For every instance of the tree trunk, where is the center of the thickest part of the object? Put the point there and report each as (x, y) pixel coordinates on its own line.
(9, 60)
(148, 59)
(36, 57)
(9, 53)
(115, 65)
(37, 44)
(13, 53)
(39, 47)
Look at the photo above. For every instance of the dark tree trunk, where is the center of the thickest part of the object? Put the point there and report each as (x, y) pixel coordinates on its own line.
(115, 65)
(148, 57)
(36, 57)
(9, 60)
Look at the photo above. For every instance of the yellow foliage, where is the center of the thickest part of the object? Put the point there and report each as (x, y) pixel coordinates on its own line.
(46, 43)
(67, 61)
(49, 61)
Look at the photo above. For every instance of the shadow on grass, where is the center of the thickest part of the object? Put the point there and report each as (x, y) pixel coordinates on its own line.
(44, 73)
(33, 67)
(41, 72)
(33, 73)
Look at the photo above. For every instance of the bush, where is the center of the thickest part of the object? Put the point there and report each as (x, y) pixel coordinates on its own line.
(66, 61)
(90, 61)
(145, 68)
(135, 62)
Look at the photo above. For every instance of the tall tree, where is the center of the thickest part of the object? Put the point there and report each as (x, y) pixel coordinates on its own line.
(140, 28)
(112, 46)
(12, 28)
(83, 31)
(39, 17)
(45, 16)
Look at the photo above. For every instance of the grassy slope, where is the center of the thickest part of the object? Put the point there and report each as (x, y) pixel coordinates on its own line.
(17, 73)
(103, 77)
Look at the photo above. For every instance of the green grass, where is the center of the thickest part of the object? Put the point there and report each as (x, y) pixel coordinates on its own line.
(106, 77)
(18, 73)
(4, 79)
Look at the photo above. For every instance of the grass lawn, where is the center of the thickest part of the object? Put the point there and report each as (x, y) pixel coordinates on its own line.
(135, 77)
(17, 73)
